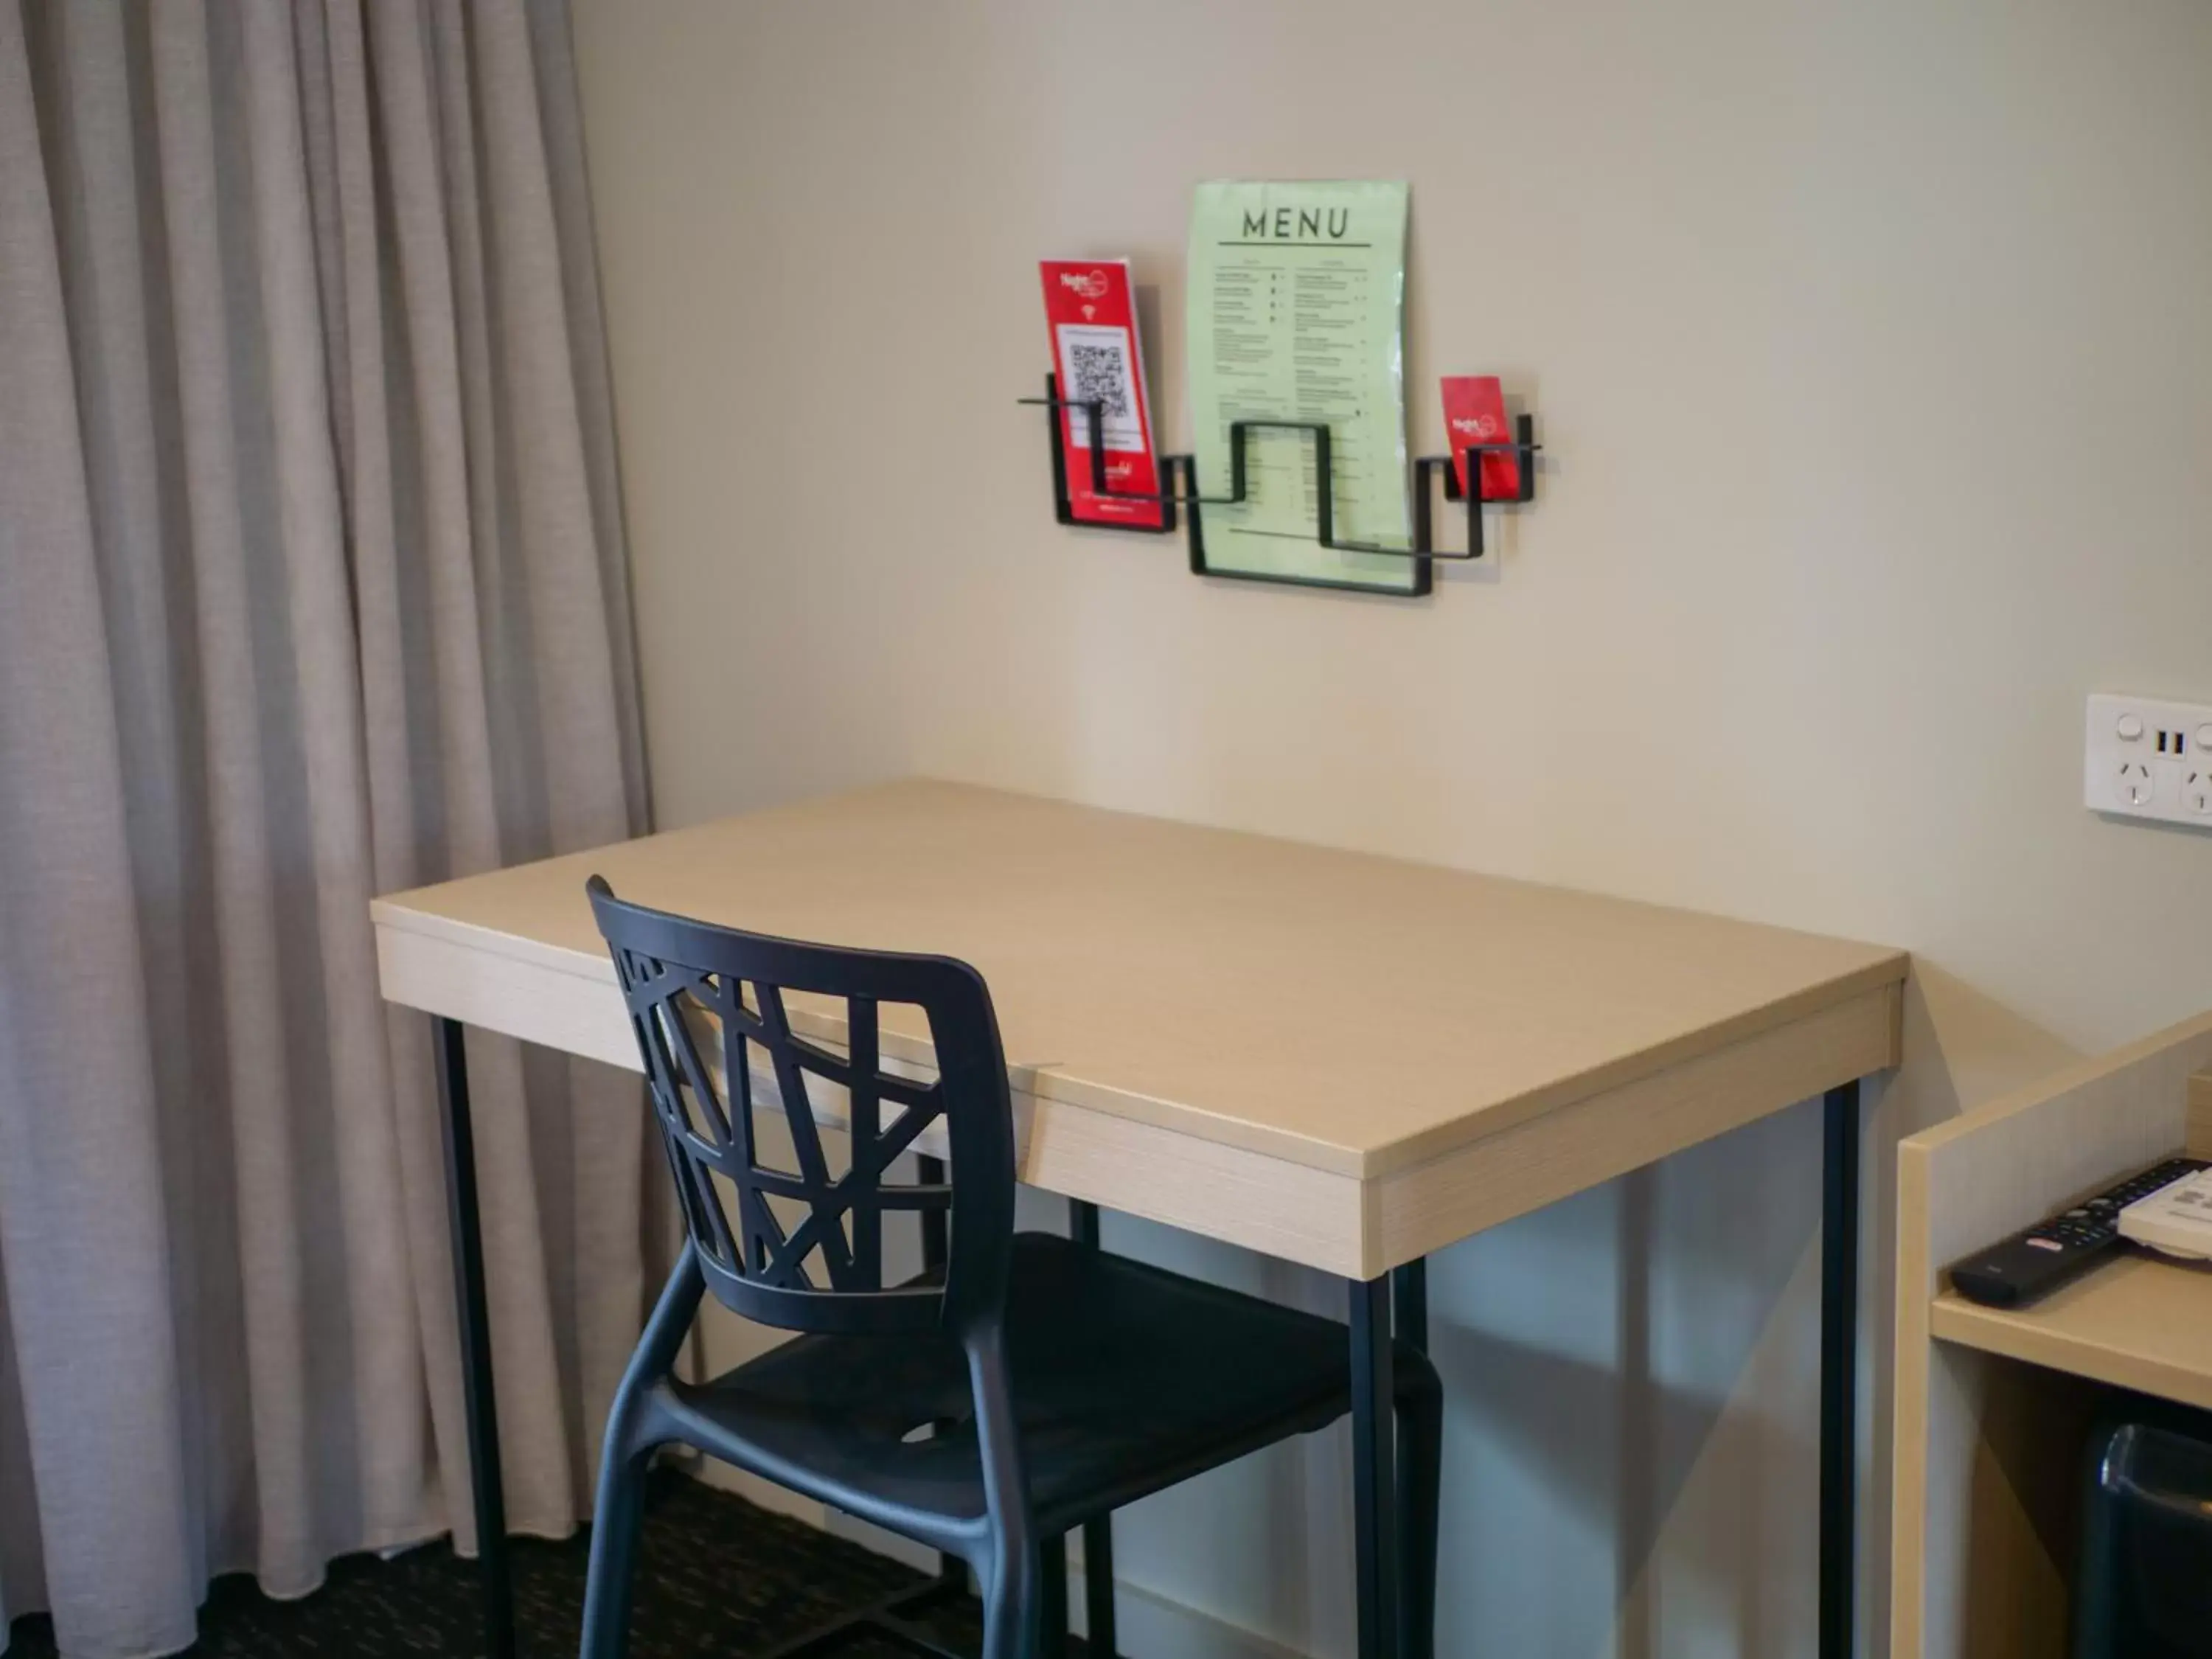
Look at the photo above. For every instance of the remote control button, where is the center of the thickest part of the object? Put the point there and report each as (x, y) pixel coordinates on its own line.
(2044, 1244)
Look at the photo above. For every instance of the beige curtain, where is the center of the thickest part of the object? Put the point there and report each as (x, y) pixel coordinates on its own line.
(312, 586)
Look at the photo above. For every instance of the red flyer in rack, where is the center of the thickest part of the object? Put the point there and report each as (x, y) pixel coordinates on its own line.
(1475, 413)
(1095, 351)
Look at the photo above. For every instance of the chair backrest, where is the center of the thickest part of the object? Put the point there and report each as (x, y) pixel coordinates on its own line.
(696, 990)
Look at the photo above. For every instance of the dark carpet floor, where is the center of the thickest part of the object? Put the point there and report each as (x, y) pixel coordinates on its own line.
(717, 1578)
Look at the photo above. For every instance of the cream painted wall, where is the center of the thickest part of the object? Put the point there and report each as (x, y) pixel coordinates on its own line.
(1871, 346)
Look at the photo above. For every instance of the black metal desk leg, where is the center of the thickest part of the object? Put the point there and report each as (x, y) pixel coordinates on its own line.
(1053, 1621)
(1420, 1425)
(1374, 1468)
(474, 1309)
(1839, 1355)
(1409, 1296)
(1097, 1535)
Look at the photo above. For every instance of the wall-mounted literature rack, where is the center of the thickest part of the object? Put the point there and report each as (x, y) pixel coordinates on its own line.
(1190, 497)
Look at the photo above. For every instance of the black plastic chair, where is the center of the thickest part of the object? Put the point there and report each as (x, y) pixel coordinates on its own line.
(1020, 1387)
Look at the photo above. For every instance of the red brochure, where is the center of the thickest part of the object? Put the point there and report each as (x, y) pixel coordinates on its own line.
(1475, 413)
(1095, 351)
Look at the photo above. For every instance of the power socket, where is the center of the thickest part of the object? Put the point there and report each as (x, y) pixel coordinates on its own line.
(2149, 759)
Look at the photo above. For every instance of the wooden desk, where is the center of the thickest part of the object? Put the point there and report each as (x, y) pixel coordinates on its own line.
(1986, 1450)
(1340, 1060)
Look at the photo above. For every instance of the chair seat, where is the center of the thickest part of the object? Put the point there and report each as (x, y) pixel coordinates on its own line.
(1125, 1379)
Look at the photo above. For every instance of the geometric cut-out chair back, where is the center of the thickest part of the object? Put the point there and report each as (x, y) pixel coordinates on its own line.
(801, 1247)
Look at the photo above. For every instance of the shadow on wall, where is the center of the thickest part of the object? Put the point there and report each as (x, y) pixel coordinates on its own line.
(1963, 1049)
(1616, 1357)
(1633, 1375)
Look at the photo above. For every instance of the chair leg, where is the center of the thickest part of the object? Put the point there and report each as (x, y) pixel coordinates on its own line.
(1420, 1467)
(619, 1512)
(1012, 1605)
(616, 1521)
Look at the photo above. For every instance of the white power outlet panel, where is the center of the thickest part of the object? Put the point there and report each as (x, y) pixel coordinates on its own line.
(2149, 759)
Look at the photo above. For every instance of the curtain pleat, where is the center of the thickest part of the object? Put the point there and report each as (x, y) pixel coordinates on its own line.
(311, 586)
(82, 1214)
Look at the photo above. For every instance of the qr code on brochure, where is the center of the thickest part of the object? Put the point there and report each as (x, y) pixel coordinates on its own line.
(1100, 374)
(1096, 367)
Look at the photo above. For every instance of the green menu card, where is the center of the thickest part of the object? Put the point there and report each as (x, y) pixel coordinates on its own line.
(1297, 309)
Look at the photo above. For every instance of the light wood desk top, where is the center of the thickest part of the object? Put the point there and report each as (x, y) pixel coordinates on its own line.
(1358, 1019)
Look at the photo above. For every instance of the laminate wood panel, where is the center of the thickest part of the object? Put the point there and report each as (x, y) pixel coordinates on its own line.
(2136, 1323)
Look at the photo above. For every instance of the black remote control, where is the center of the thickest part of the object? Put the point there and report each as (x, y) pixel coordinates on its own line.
(2035, 1263)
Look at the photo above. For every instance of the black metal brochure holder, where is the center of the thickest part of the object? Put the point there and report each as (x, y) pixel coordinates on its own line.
(1190, 497)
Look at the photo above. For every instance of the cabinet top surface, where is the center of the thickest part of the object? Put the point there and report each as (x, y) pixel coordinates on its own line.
(1341, 1009)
